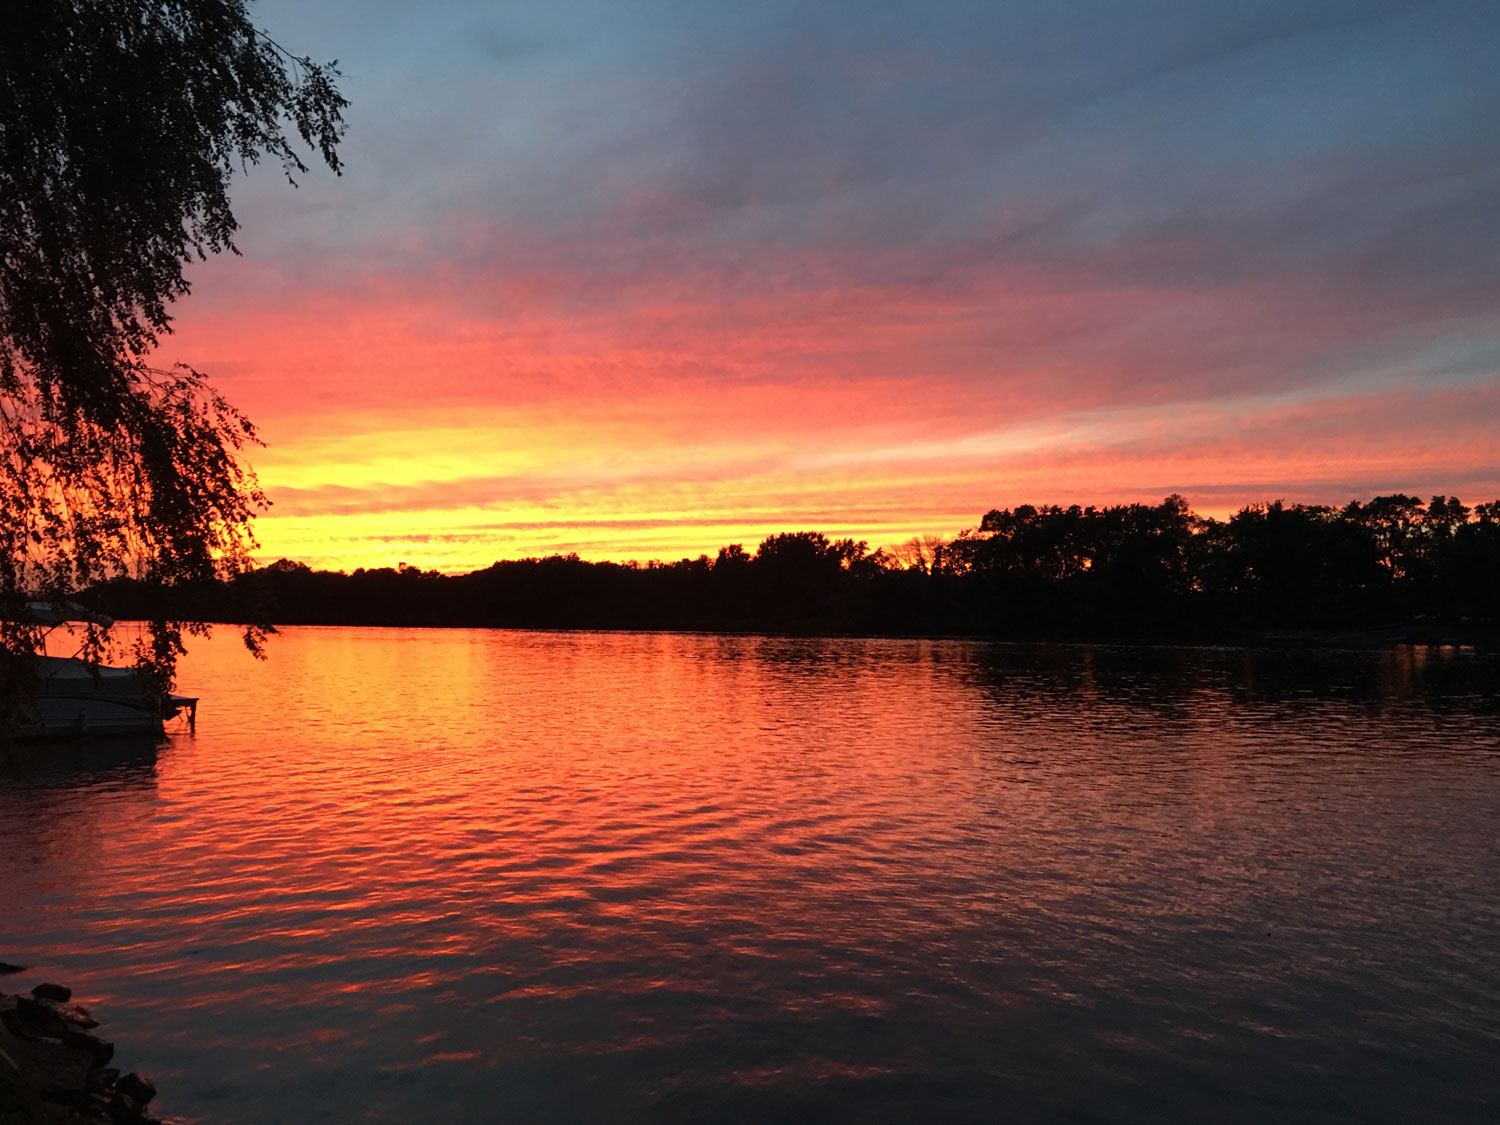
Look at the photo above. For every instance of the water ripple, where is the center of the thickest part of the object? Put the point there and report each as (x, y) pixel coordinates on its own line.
(410, 875)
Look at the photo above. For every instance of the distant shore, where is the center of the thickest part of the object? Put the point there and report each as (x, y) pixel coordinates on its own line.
(1393, 570)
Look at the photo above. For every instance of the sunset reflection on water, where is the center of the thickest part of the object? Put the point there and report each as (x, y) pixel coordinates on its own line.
(406, 874)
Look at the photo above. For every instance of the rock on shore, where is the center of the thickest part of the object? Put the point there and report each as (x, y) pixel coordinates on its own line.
(54, 1069)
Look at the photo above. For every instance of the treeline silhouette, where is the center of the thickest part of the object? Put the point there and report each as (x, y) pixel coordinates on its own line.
(1135, 571)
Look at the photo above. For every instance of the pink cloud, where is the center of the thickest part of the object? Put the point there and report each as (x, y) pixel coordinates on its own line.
(889, 393)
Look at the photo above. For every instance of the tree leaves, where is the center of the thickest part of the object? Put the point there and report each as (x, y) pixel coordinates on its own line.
(122, 123)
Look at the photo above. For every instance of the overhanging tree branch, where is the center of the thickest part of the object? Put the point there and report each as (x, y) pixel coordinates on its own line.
(121, 125)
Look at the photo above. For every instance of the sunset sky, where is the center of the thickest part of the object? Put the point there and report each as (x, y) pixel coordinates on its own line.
(640, 279)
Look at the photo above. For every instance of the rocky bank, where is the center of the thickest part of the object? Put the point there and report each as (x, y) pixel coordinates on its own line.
(55, 1070)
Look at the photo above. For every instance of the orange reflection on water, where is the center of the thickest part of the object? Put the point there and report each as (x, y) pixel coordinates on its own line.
(706, 859)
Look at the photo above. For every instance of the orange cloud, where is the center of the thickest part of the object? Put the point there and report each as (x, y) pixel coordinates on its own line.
(499, 409)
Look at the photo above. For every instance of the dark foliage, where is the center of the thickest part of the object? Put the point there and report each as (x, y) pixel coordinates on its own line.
(121, 125)
(1135, 572)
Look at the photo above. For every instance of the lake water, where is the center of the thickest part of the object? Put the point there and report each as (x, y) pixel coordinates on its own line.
(408, 875)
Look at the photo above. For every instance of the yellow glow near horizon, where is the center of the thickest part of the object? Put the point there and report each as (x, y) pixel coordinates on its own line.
(448, 435)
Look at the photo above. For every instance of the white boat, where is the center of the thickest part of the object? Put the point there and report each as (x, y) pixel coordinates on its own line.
(75, 699)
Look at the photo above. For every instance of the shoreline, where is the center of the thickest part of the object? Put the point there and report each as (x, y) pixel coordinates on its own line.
(54, 1070)
(1478, 637)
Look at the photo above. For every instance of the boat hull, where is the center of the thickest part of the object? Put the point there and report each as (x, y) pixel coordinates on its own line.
(74, 700)
(78, 716)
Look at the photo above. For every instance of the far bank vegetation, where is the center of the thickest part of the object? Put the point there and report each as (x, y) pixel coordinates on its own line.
(1136, 571)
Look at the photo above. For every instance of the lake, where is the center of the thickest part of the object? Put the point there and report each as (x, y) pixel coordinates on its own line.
(425, 875)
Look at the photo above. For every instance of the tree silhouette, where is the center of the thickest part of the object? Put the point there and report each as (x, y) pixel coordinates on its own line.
(121, 125)
(1129, 572)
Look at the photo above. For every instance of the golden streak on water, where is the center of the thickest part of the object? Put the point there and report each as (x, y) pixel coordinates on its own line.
(463, 875)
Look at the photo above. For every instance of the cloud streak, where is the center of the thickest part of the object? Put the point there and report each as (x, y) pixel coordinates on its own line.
(657, 267)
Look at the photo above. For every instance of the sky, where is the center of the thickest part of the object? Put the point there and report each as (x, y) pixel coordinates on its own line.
(640, 279)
